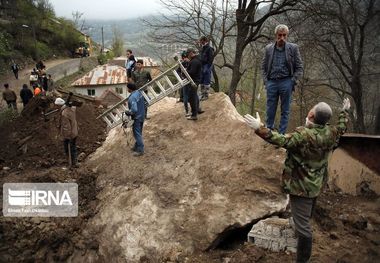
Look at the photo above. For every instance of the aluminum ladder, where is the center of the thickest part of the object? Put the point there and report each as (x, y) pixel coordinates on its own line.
(158, 88)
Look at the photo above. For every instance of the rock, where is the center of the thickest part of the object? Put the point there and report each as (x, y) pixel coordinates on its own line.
(275, 234)
(188, 197)
(370, 227)
(6, 168)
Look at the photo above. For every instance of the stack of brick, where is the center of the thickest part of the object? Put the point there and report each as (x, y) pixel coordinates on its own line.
(275, 234)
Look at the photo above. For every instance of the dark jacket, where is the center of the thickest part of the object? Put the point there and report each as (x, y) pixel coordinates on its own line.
(293, 58)
(185, 64)
(195, 69)
(26, 94)
(207, 55)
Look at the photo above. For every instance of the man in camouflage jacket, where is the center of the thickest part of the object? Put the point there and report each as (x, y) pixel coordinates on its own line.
(308, 149)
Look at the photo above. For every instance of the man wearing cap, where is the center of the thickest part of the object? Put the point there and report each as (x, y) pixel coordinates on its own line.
(195, 71)
(136, 105)
(68, 128)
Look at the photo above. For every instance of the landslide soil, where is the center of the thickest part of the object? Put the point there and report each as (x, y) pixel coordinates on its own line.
(346, 228)
(32, 151)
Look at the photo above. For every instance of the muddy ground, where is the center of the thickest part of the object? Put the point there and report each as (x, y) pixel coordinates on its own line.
(346, 228)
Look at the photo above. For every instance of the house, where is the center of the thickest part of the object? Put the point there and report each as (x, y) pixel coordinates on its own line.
(101, 79)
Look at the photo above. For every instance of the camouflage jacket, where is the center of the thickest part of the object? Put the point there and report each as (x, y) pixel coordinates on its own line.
(308, 150)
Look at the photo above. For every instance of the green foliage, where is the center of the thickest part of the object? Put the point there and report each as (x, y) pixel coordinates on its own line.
(104, 57)
(4, 45)
(117, 42)
(33, 31)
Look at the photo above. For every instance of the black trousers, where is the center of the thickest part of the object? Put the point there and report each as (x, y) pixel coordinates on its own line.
(73, 149)
(302, 210)
(194, 100)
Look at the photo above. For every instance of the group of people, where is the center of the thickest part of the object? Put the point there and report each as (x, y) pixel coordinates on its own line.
(308, 147)
(198, 67)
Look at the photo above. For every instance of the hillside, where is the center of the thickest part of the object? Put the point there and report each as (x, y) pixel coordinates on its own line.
(29, 30)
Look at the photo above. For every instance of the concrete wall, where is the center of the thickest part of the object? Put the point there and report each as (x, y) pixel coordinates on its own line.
(65, 69)
(100, 89)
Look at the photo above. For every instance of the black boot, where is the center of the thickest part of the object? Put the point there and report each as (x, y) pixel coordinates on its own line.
(304, 246)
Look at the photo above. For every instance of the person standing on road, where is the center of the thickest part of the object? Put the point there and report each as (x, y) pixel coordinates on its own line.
(281, 68)
(50, 83)
(15, 68)
(305, 172)
(207, 58)
(26, 94)
(68, 128)
(10, 97)
(136, 109)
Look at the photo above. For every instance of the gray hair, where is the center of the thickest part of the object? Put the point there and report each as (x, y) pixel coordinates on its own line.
(322, 113)
(281, 28)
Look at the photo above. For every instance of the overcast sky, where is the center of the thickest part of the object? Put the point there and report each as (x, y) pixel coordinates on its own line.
(105, 9)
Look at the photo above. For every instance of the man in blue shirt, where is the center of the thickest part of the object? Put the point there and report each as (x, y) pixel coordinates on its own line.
(281, 67)
(136, 105)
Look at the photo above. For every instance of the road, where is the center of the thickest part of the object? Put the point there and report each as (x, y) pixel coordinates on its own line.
(58, 68)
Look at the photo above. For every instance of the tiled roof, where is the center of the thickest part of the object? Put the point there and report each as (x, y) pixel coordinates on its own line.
(103, 75)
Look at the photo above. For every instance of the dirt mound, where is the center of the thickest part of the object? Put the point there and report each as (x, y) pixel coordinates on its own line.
(32, 142)
(45, 239)
(33, 150)
(196, 183)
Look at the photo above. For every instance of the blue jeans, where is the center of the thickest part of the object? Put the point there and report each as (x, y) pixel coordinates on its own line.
(137, 133)
(281, 88)
(206, 74)
(185, 94)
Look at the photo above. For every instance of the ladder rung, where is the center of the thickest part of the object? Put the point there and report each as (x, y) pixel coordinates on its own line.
(177, 76)
(147, 99)
(160, 86)
(151, 90)
(106, 120)
(168, 81)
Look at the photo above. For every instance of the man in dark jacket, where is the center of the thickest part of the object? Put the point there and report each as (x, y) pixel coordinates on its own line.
(281, 67)
(15, 68)
(195, 71)
(207, 57)
(184, 92)
(26, 94)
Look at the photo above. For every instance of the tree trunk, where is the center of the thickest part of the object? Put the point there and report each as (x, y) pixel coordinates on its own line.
(254, 88)
(357, 91)
(216, 85)
(242, 32)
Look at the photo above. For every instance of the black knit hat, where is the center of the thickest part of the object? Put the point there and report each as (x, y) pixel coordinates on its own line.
(131, 86)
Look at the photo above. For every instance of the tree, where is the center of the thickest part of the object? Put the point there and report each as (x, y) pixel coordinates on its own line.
(188, 20)
(117, 42)
(340, 32)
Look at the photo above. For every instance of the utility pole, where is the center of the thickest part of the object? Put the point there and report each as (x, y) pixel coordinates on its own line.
(102, 42)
